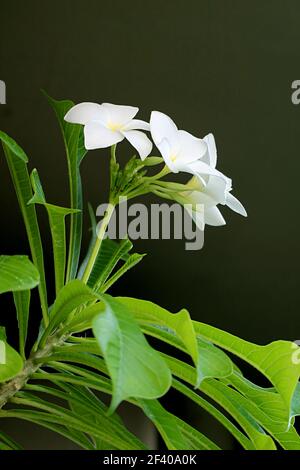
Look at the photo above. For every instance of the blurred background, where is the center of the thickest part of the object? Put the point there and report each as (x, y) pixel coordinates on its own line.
(221, 67)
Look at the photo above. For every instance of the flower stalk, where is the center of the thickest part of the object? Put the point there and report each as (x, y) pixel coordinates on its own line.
(98, 243)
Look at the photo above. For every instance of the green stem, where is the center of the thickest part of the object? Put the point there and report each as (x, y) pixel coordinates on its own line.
(145, 187)
(113, 152)
(9, 389)
(139, 191)
(162, 194)
(165, 171)
(99, 239)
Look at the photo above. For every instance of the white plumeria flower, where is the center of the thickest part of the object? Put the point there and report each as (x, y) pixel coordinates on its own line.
(203, 198)
(202, 201)
(107, 124)
(180, 150)
(211, 158)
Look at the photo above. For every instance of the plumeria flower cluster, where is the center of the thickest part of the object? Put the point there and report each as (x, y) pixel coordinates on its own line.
(105, 125)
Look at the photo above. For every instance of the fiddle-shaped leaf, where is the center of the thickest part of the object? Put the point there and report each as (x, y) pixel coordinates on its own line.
(56, 216)
(75, 151)
(17, 164)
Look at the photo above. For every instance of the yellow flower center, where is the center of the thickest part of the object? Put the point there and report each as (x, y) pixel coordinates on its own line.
(114, 126)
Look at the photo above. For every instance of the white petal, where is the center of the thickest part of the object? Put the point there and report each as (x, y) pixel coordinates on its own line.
(211, 150)
(82, 113)
(137, 124)
(199, 168)
(228, 183)
(140, 142)
(97, 136)
(210, 195)
(119, 114)
(216, 188)
(201, 197)
(197, 216)
(224, 177)
(214, 217)
(191, 148)
(195, 184)
(234, 204)
(165, 150)
(163, 128)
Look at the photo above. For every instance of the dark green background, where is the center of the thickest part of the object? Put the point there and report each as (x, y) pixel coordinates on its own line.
(219, 66)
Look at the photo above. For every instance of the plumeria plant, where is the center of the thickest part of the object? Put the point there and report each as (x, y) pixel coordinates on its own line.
(91, 344)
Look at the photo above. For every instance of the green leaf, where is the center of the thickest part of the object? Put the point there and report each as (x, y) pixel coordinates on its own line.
(217, 414)
(249, 414)
(269, 409)
(197, 440)
(136, 369)
(22, 303)
(79, 376)
(56, 216)
(75, 151)
(108, 257)
(2, 333)
(60, 415)
(213, 362)
(179, 323)
(9, 441)
(16, 160)
(234, 403)
(165, 423)
(85, 403)
(273, 360)
(83, 320)
(110, 254)
(88, 345)
(132, 261)
(295, 409)
(17, 273)
(267, 400)
(287, 439)
(11, 362)
(89, 408)
(75, 294)
(55, 424)
(176, 434)
(4, 446)
(209, 360)
(237, 406)
(13, 147)
(83, 358)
